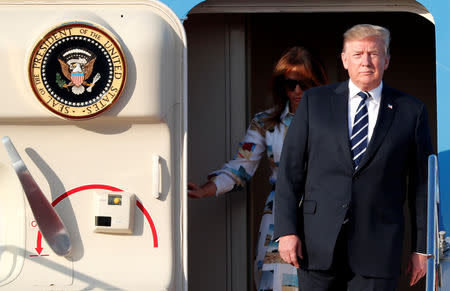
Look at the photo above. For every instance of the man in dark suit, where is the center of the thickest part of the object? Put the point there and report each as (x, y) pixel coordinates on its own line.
(352, 154)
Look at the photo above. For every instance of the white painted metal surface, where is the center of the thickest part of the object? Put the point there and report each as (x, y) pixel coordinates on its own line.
(71, 160)
(289, 6)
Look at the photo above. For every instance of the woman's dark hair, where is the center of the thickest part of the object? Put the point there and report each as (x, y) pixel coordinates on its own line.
(311, 69)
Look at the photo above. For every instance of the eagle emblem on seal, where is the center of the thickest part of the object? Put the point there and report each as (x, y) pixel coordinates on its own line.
(77, 65)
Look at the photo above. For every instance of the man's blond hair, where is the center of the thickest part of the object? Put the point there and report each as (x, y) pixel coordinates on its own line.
(361, 31)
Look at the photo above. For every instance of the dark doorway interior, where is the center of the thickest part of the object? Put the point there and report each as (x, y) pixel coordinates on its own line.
(267, 36)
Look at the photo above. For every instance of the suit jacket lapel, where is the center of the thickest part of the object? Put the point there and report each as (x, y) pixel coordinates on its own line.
(384, 121)
(340, 116)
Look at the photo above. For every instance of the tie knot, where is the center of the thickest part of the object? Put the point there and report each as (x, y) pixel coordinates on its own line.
(364, 95)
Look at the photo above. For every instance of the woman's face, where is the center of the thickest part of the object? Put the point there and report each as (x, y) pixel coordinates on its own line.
(294, 86)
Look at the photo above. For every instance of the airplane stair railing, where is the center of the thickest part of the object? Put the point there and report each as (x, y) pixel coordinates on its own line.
(438, 263)
(432, 228)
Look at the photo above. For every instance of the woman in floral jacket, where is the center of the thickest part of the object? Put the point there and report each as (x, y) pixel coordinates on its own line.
(296, 71)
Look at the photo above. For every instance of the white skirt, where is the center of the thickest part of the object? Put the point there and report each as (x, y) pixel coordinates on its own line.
(271, 273)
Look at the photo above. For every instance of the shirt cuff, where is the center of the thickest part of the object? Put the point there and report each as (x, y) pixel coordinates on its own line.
(223, 183)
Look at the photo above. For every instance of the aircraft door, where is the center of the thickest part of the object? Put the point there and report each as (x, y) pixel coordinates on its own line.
(94, 106)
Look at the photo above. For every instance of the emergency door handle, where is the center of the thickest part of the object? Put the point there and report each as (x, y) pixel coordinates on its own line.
(49, 222)
(156, 172)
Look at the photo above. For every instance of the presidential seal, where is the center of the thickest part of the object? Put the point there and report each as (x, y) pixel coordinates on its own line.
(77, 70)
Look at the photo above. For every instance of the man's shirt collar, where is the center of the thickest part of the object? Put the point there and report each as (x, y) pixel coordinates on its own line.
(374, 93)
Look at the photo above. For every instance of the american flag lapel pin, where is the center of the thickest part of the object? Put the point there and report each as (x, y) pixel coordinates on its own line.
(390, 106)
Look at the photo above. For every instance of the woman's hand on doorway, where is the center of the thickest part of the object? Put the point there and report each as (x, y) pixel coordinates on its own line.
(206, 190)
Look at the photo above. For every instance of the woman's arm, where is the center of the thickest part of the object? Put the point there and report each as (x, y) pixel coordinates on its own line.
(235, 173)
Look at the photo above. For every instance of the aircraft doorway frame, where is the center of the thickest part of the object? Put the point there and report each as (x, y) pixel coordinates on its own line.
(220, 7)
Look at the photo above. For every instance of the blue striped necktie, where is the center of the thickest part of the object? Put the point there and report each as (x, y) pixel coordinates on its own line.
(359, 138)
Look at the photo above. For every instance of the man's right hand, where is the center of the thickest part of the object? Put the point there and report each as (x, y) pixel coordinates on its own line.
(290, 247)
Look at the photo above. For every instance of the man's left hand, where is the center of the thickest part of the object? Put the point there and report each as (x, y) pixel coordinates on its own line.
(417, 266)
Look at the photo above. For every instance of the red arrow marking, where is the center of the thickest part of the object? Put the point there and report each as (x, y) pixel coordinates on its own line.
(150, 221)
(39, 243)
(82, 188)
(111, 188)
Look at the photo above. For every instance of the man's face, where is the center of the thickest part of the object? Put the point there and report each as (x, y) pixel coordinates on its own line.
(365, 60)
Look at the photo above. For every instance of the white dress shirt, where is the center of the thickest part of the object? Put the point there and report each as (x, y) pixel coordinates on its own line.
(372, 103)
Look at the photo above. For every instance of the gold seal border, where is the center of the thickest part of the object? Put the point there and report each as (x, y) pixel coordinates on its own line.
(95, 32)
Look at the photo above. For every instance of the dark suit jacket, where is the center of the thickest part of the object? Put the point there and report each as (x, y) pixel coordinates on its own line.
(316, 166)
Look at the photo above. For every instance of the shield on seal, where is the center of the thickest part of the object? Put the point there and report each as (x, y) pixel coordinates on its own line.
(77, 78)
